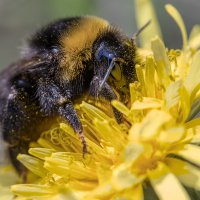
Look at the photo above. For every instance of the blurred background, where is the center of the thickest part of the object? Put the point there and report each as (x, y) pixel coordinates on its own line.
(19, 18)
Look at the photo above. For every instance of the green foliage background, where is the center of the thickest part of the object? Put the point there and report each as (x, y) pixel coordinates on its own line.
(20, 18)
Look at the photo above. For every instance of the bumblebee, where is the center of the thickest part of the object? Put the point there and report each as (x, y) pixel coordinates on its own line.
(62, 61)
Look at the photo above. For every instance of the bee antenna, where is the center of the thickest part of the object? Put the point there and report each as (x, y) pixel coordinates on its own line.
(135, 35)
(107, 73)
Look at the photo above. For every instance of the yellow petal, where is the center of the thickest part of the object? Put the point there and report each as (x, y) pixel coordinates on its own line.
(150, 126)
(121, 107)
(85, 185)
(103, 192)
(172, 94)
(149, 76)
(135, 193)
(192, 123)
(147, 103)
(188, 136)
(93, 111)
(194, 39)
(186, 173)
(123, 178)
(140, 76)
(65, 164)
(64, 194)
(192, 80)
(194, 110)
(191, 153)
(171, 135)
(47, 144)
(163, 66)
(196, 135)
(178, 19)
(183, 64)
(135, 91)
(41, 152)
(110, 134)
(144, 12)
(166, 185)
(32, 190)
(132, 152)
(184, 104)
(35, 165)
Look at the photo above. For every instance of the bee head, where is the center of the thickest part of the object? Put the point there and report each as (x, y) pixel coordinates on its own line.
(114, 56)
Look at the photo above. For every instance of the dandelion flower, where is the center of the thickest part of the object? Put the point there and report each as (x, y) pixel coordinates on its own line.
(155, 153)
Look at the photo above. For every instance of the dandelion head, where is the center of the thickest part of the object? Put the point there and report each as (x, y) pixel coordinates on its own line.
(156, 148)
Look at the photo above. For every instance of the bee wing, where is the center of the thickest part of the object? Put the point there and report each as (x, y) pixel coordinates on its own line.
(32, 65)
(26, 65)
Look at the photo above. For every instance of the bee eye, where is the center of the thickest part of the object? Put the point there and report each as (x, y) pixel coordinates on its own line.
(54, 50)
(103, 53)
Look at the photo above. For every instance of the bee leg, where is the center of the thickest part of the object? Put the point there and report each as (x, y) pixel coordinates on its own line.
(12, 128)
(107, 93)
(71, 116)
(52, 101)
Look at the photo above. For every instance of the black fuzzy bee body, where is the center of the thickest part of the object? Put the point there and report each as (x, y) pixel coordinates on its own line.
(62, 61)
